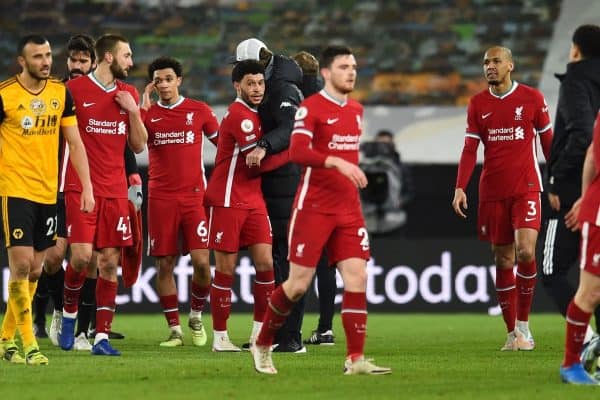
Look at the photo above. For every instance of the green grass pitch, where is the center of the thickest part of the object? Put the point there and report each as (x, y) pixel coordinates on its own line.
(434, 356)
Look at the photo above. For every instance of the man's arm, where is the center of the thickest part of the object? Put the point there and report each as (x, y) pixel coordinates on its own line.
(78, 158)
(466, 165)
(302, 153)
(283, 110)
(210, 128)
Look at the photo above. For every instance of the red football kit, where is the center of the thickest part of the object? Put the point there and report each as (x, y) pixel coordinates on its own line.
(103, 127)
(326, 198)
(176, 180)
(589, 214)
(233, 185)
(510, 182)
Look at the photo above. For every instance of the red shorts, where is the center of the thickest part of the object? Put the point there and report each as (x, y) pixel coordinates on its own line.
(230, 229)
(176, 221)
(590, 248)
(107, 226)
(344, 236)
(498, 220)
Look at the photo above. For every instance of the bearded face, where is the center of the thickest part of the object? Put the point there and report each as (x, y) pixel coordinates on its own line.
(117, 70)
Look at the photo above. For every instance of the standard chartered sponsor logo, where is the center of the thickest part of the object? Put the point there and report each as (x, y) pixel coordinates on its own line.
(506, 134)
(104, 127)
(173, 137)
(344, 142)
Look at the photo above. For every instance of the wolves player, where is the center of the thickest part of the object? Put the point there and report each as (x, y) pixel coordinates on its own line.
(109, 119)
(176, 185)
(507, 118)
(238, 215)
(33, 110)
(325, 140)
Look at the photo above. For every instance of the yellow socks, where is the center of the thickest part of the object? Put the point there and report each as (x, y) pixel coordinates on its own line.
(9, 326)
(19, 300)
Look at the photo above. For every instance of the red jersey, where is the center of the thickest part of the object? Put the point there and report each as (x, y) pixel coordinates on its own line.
(103, 127)
(231, 183)
(590, 205)
(334, 129)
(507, 126)
(175, 164)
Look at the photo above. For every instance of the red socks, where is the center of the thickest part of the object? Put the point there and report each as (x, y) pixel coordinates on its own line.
(354, 319)
(264, 284)
(526, 278)
(277, 311)
(220, 300)
(506, 292)
(106, 293)
(577, 322)
(198, 297)
(170, 306)
(73, 283)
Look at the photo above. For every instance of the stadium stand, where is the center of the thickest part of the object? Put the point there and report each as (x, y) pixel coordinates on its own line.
(411, 52)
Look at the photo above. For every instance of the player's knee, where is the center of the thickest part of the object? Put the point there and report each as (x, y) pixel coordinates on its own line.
(80, 260)
(588, 299)
(34, 274)
(264, 265)
(108, 270)
(525, 254)
(202, 273)
(21, 268)
(504, 261)
(296, 290)
(165, 266)
(52, 262)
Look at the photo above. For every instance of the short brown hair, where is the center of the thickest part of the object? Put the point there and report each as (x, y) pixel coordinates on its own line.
(107, 43)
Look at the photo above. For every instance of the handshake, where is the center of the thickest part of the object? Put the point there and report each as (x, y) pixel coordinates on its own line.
(135, 194)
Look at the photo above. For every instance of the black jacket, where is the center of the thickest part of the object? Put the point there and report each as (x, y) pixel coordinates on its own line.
(277, 112)
(578, 104)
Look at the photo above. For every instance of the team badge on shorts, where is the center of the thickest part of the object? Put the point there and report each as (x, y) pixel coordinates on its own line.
(17, 233)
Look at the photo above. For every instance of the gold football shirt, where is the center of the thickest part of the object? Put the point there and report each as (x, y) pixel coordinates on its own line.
(29, 138)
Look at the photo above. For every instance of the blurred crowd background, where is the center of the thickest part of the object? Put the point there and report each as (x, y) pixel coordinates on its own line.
(410, 52)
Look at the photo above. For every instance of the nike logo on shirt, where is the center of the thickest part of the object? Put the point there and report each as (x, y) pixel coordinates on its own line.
(332, 121)
(484, 116)
(155, 119)
(88, 104)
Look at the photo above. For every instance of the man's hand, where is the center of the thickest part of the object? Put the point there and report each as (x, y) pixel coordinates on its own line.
(459, 202)
(254, 158)
(572, 217)
(147, 96)
(126, 101)
(349, 170)
(87, 201)
(554, 201)
(135, 194)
